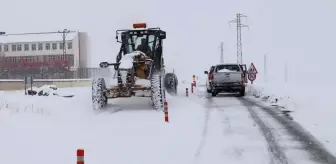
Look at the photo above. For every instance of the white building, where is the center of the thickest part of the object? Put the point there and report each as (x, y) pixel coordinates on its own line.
(43, 50)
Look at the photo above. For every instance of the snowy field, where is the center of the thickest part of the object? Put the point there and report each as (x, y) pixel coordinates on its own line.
(201, 130)
(50, 129)
(311, 105)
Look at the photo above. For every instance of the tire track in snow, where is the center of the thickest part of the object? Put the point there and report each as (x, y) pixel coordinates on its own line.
(278, 157)
(234, 153)
(311, 145)
(240, 128)
(204, 134)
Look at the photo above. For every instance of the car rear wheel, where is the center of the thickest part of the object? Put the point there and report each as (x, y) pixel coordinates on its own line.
(214, 94)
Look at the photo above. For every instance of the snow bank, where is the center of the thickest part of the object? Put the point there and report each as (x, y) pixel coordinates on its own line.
(50, 90)
(272, 95)
(313, 106)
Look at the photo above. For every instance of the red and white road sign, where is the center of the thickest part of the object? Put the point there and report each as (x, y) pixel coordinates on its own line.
(252, 69)
(251, 76)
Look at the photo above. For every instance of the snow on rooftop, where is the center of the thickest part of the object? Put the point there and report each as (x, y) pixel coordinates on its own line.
(36, 37)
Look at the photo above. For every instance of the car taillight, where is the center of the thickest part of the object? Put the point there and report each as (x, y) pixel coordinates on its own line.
(210, 76)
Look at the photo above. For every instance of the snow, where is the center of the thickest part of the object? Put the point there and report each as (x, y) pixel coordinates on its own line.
(226, 70)
(231, 136)
(143, 82)
(200, 131)
(36, 38)
(45, 128)
(52, 90)
(126, 61)
(50, 129)
(313, 106)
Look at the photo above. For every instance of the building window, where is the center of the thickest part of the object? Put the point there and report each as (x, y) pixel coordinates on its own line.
(26, 47)
(34, 59)
(0, 48)
(33, 47)
(40, 46)
(13, 47)
(47, 46)
(70, 59)
(30, 58)
(61, 46)
(14, 59)
(6, 48)
(19, 47)
(69, 45)
(54, 46)
(40, 58)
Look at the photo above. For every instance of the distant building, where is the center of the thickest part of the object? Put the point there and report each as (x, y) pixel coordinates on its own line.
(43, 50)
(42, 54)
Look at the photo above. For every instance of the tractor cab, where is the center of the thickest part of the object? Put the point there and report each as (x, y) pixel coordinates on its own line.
(143, 39)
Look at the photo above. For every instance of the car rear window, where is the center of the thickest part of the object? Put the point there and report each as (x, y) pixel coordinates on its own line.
(228, 68)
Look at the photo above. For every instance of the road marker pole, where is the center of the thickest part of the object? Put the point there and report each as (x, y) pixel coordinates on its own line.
(80, 156)
(166, 111)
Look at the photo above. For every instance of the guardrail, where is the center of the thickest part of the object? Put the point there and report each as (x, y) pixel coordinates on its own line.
(18, 84)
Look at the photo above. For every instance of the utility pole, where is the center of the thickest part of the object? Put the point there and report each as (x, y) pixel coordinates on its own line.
(286, 73)
(239, 42)
(64, 32)
(265, 66)
(222, 53)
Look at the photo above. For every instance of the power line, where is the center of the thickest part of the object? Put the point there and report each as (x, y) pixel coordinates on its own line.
(38, 33)
(239, 42)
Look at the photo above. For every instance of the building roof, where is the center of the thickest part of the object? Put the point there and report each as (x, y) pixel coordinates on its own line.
(27, 38)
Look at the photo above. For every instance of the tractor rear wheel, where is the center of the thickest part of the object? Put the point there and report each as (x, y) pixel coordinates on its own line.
(99, 100)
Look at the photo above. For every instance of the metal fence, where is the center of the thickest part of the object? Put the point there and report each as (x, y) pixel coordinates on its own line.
(56, 73)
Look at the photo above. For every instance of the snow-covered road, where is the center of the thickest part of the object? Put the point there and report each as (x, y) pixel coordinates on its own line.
(230, 135)
(201, 130)
(297, 140)
(238, 131)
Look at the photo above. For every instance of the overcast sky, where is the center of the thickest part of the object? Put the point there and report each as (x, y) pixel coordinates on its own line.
(299, 32)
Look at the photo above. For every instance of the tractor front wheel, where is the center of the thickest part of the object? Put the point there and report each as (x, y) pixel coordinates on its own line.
(158, 92)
